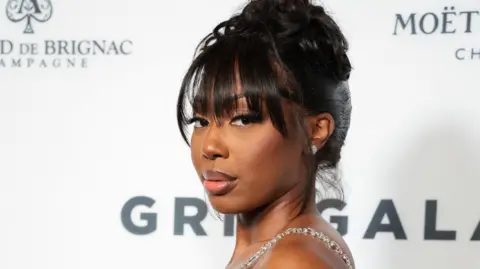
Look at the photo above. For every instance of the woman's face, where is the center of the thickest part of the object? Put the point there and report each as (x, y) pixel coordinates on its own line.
(243, 161)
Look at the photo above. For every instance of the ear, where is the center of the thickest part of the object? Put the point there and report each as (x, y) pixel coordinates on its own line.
(321, 126)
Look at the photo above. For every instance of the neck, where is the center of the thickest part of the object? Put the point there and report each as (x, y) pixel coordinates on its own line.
(264, 223)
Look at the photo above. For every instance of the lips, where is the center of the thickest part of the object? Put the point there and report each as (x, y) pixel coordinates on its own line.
(217, 182)
(216, 175)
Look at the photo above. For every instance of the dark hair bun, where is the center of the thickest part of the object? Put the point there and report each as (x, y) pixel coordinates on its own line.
(285, 16)
(298, 22)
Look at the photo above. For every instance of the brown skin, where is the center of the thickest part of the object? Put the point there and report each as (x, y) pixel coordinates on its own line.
(270, 186)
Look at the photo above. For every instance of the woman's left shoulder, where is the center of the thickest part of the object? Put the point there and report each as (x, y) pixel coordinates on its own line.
(301, 252)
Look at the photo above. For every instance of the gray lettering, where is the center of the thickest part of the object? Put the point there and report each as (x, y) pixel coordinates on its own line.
(476, 233)
(150, 218)
(194, 221)
(435, 23)
(400, 20)
(16, 63)
(71, 63)
(56, 63)
(475, 53)
(122, 47)
(468, 28)
(340, 221)
(62, 47)
(83, 50)
(30, 62)
(6, 47)
(457, 54)
(229, 225)
(43, 64)
(446, 21)
(385, 208)
(84, 62)
(430, 231)
(112, 49)
(49, 47)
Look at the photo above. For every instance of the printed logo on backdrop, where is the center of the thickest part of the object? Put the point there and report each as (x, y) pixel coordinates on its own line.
(448, 22)
(138, 217)
(34, 17)
(29, 11)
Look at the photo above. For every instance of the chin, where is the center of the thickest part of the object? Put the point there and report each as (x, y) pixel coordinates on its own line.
(227, 205)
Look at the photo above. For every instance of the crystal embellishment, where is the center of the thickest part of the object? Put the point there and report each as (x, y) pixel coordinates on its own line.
(303, 231)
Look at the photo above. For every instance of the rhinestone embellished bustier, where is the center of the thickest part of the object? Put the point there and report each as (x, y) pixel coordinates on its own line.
(303, 231)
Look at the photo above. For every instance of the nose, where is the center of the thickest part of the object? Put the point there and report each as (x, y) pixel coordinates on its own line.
(213, 145)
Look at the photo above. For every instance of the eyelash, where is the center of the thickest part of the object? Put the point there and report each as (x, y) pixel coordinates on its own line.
(250, 118)
(196, 119)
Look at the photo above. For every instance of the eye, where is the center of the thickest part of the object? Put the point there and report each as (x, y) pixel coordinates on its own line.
(246, 119)
(198, 122)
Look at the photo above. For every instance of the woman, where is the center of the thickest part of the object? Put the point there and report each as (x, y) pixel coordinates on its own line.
(271, 109)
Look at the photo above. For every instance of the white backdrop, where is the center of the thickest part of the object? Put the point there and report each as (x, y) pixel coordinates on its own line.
(81, 135)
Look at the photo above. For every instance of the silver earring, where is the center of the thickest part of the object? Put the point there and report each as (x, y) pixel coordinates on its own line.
(314, 149)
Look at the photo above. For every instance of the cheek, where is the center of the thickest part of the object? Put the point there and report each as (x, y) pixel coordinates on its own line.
(264, 154)
(195, 151)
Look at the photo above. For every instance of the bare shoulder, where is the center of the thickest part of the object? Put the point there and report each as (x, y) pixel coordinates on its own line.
(298, 251)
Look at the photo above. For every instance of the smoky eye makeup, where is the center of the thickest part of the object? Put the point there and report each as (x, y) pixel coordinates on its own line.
(198, 121)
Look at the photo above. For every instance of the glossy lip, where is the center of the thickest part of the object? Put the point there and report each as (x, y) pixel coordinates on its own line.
(219, 176)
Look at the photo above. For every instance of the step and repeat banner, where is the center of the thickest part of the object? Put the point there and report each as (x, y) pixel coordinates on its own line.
(94, 173)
